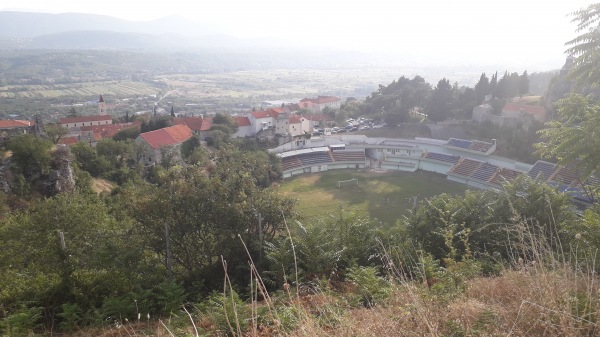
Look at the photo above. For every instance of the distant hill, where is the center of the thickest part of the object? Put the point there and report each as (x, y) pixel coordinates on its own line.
(23, 30)
(29, 25)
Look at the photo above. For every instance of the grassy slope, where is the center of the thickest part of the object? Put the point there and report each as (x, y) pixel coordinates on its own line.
(383, 196)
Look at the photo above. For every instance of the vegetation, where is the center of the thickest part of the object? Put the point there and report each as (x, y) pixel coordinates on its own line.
(211, 246)
(384, 197)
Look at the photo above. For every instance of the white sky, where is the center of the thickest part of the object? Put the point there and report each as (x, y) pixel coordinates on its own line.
(530, 33)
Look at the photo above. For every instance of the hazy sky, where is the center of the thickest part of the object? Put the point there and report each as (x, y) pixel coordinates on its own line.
(527, 33)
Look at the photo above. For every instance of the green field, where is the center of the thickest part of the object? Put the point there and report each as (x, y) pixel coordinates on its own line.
(385, 196)
(117, 88)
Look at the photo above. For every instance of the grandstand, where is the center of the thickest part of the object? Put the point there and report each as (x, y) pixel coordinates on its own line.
(485, 172)
(481, 146)
(441, 157)
(465, 161)
(473, 145)
(464, 144)
(314, 158)
(339, 156)
(543, 168)
(465, 167)
(505, 175)
(290, 163)
(565, 175)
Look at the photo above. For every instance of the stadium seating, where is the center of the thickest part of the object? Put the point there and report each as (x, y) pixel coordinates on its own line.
(314, 158)
(465, 144)
(484, 172)
(480, 146)
(441, 157)
(544, 168)
(505, 175)
(290, 163)
(474, 145)
(465, 167)
(565, 175)
(349, 155)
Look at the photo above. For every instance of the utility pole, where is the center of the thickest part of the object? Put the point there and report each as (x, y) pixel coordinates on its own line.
(168, 257)
(260, 234)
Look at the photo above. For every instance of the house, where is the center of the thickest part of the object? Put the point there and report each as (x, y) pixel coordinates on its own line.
(512, 115)
(317, 105)
(98, 132)
(199, 126)
(245, 129)
(262, 120)
(296, 125)
(77, 122)
(517, 110)
(14, 127)
(282, 123)
(163, 142)
(311, 122)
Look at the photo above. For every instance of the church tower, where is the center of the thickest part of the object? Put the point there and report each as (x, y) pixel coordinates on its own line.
(101, 106)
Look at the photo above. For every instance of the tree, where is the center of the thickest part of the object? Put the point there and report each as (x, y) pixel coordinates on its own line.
(329, 112)
(172, 112)
(127, 133)
(493, 84)
(489, 219)
(225, 123)
(585, 48)
(69, 249)
(399, 97)
(55, 132)
(31, 156)
(207, 216)
(188, 147)
(573, 138)
(72, 113)
(482, 88)
(523, 84)
(441, 101)
(87, 159)
(118, 153)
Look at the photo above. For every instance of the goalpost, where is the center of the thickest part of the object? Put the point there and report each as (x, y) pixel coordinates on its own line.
(351, 182)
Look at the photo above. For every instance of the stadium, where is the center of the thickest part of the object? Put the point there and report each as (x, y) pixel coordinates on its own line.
(470, 162)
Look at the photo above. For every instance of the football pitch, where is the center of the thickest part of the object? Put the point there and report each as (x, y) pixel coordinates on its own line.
(385, 196)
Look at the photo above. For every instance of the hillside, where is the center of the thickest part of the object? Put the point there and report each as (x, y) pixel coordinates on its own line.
(27, 25)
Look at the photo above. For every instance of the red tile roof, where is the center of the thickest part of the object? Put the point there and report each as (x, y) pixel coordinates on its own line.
(107, 131)
(68, 140)
(273, 113)
(531, 109)
(261, 114)
(207, 124)
(305, 104)
(242, 121)
(295, 119)
(9, 124)
(95, 118)
(326, 99)
(167, 136)
(194, 123)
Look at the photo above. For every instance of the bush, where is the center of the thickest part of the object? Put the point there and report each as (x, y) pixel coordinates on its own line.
(370, 288)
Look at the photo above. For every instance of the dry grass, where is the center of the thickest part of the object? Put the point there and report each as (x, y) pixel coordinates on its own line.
(520, 302)
(100, 185)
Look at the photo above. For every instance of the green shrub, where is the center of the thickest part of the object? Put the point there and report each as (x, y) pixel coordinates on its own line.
(370, 288)
(21, 322)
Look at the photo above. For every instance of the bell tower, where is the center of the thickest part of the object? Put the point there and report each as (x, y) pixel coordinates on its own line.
(101, 106)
